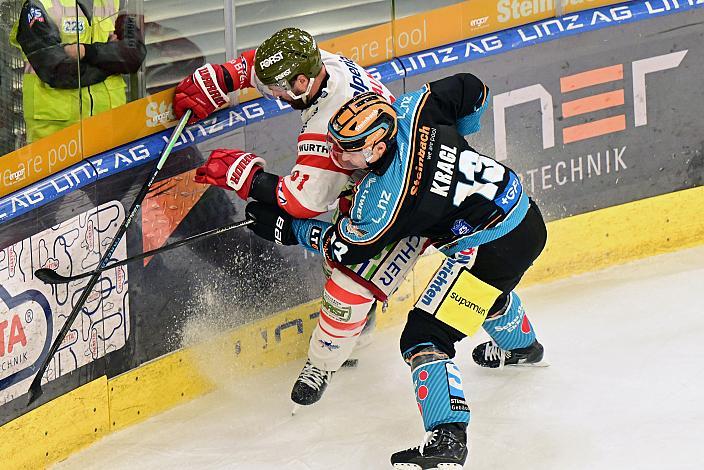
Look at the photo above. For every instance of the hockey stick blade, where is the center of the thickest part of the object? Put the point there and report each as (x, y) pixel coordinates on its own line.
(35, 389)
(49, 276)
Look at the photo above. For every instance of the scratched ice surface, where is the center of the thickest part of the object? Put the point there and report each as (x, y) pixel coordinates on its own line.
(623, 392)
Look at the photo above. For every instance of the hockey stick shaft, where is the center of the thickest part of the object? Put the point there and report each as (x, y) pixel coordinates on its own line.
(51, 277)
(35, 389)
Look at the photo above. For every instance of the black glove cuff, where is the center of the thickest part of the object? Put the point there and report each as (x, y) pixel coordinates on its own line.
(271, 223)
(264, 187)
(229, 84)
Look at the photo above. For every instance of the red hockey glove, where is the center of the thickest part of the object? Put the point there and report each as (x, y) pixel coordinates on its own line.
(206, 90)
(203, 92)
(271, 223)
(230, 169)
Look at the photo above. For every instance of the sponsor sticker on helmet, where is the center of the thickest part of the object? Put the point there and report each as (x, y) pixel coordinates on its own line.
(283, 74)
(272, 59)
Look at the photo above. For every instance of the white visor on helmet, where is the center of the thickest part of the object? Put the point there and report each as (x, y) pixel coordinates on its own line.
(280, 89)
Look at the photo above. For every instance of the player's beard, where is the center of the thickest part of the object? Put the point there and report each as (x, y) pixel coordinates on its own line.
(299, 104)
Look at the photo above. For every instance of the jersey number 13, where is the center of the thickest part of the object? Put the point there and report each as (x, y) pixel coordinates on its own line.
(481, 173)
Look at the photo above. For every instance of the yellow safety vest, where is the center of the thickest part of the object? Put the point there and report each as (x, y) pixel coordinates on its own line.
(48, 110)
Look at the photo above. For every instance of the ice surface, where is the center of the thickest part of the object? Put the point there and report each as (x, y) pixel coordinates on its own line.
(624, 391)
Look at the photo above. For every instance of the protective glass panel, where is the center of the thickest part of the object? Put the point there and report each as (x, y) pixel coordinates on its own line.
(181, 35)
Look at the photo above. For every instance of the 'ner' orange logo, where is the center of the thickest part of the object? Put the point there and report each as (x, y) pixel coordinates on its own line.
(577, 107)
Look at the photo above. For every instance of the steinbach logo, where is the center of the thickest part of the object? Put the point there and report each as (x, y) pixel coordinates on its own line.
(458, 402)
(573, 132)
(516, 9)
(423, 137)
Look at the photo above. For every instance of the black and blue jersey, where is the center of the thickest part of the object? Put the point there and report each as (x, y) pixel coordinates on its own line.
(434, 184)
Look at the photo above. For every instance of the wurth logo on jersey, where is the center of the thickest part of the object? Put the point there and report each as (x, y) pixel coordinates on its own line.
(312, 147)
(575, 108)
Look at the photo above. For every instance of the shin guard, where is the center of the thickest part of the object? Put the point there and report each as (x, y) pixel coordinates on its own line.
(512, 329)
(438, 386)
(343, 314)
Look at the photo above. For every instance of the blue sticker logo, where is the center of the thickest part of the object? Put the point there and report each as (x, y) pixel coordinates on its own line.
(329, 345)
(461, 227)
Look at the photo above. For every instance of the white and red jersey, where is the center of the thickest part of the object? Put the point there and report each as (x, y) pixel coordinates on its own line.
(315, 182)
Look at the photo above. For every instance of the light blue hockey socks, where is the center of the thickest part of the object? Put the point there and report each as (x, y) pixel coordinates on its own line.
(512, 329)
(438, 385)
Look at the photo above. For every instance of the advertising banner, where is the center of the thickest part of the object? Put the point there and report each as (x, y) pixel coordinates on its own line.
(589, 126)
(32, 313)
(86, 138)
(571, 6)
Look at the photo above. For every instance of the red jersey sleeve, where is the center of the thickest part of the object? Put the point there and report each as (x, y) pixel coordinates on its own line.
(315, 182)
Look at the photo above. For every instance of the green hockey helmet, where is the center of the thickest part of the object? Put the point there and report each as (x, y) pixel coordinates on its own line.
(285, 55)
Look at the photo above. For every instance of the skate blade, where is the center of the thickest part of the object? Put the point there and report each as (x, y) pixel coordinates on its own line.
(441, 466)
(542, 363)
(295, 409)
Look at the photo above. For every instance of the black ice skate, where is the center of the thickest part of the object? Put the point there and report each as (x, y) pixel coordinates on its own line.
(490, 355)
(310, 385)
(444, 448)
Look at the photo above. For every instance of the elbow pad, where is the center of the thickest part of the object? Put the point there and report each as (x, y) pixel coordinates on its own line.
(470, 124)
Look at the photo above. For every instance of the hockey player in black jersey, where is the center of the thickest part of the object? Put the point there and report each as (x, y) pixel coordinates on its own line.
(425, 180)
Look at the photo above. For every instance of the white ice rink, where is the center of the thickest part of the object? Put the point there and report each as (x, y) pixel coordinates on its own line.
(625, 390)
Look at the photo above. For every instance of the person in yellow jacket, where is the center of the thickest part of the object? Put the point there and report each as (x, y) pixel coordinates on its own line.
(75, 52)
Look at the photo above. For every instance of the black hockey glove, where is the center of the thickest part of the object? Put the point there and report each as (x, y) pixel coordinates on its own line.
(271, 223)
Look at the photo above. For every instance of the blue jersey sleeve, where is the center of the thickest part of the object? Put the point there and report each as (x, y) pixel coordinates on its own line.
(309, 233)
(324, 238)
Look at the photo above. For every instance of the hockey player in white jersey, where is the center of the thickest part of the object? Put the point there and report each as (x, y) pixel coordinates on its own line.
(289, 66)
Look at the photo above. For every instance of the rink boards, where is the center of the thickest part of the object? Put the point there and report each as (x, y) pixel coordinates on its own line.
(603, 125)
